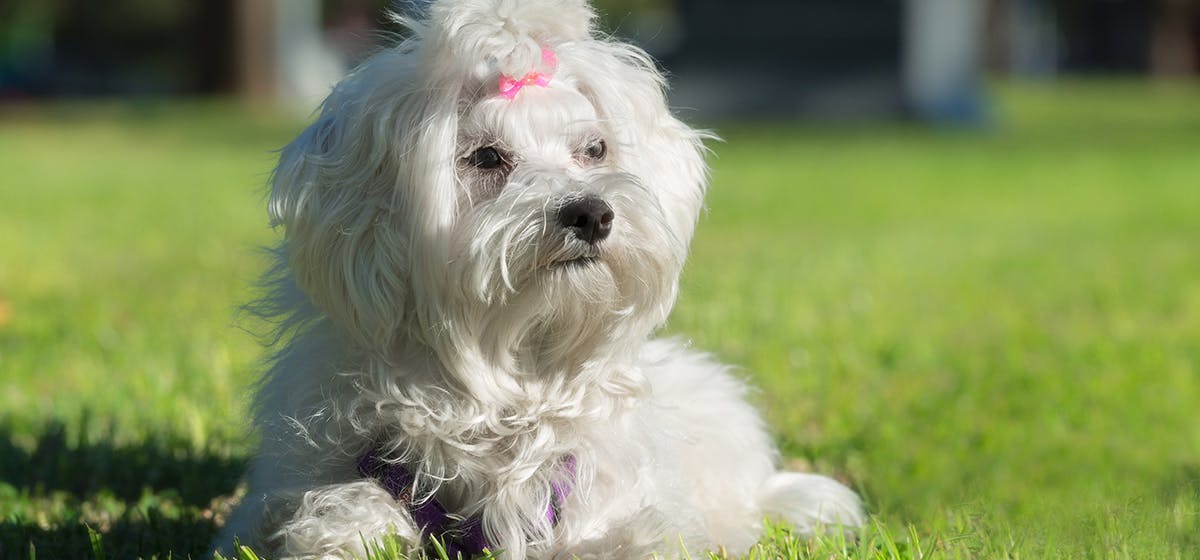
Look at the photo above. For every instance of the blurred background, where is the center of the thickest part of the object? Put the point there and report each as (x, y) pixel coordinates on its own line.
(833, 58)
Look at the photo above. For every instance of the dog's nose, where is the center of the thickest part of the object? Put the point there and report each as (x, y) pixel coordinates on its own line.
(589, 218)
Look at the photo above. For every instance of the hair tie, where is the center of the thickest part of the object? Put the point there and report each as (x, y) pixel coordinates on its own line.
(509, 86)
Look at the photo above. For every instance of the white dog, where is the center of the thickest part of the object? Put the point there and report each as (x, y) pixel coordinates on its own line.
(483, 229)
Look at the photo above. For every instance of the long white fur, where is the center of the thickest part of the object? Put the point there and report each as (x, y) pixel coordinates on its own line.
(429, 314)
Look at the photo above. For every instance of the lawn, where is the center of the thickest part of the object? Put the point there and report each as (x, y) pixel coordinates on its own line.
(994, 335)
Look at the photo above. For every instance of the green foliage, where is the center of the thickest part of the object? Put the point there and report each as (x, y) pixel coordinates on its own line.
(97, 546)
(993, 335)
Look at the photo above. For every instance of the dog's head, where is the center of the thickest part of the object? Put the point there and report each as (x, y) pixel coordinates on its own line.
(504, 185)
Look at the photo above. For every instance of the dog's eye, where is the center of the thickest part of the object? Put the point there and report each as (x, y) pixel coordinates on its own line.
(486, 157)
(596, 150)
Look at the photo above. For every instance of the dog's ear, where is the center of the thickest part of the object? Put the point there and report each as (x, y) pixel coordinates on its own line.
(336, 193)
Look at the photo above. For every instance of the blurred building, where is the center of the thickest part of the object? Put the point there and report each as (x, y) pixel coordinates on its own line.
(828, 58)
(264, 49)
(921, 58)
(78, 47)
(766, 57)
(1117, 37)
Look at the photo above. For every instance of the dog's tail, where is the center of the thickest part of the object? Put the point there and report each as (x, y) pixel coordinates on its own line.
(810, 501)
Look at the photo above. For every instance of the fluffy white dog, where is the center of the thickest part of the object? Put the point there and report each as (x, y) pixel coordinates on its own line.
(483, 229)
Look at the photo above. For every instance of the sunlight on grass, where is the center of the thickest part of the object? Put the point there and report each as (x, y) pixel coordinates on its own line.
(993, 335)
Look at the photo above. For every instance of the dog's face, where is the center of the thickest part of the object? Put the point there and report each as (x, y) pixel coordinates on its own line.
(431, 202)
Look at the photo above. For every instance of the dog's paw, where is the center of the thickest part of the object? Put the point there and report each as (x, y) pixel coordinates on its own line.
(809, 501)
(340, 520)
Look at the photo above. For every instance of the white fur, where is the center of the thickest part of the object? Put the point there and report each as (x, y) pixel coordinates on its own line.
(425, 307)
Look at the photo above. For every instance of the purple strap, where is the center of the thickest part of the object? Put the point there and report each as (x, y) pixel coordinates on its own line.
(467, 538)
(561, 489)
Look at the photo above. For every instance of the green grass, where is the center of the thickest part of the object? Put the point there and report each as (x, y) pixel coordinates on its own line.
(993, 335)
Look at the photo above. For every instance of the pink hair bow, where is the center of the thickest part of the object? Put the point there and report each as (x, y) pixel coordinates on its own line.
(509, 86)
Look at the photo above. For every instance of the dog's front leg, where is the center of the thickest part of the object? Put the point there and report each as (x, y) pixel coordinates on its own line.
(336, 521)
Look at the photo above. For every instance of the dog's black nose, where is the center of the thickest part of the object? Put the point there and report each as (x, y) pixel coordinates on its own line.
(589, 218)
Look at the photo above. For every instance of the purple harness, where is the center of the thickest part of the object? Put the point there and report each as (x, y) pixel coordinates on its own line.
(465, 538)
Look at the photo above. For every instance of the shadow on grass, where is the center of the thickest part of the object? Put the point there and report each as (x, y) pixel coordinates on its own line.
(1182, 495)
(84, 468)
(153, 537)
(154, 497)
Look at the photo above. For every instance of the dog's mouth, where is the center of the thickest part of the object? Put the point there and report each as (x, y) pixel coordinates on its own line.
(578, 262)
(570, 258)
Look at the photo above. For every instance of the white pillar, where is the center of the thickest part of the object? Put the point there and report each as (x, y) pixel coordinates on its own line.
(306, 67)
(1033, 37)
(943, 59)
